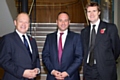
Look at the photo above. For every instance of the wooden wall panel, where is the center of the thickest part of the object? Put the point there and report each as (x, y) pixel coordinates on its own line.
(48, 14)
(47, 10)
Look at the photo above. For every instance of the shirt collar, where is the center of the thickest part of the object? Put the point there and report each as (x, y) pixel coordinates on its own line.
(65, 32)
(97, 23)
(20, 34)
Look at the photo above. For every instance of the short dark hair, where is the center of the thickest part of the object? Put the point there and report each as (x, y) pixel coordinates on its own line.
(64, 13)
(91, 4)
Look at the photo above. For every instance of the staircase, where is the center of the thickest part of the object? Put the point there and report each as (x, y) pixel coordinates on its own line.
(39, 32)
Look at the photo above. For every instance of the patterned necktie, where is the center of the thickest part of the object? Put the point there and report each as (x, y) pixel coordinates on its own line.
(60, 48)
(26, 45)
(92, 43)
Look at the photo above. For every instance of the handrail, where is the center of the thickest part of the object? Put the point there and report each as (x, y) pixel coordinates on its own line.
(30, 11)
(85, 12)
(31, 7)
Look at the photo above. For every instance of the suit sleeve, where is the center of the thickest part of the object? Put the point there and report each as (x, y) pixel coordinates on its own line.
(78, 56)
(6, 61)
(115, 40)
(46, 55)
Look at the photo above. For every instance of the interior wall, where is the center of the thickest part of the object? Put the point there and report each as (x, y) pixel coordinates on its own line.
(48, 14)
(47, 10)
(6, 19)
(117, 22)
(12, 8)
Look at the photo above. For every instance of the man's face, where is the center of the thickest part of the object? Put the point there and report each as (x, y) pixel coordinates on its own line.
(63, 22)
(93, 14)
(22, 23)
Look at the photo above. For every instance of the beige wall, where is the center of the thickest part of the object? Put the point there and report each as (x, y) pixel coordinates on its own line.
(117, 22)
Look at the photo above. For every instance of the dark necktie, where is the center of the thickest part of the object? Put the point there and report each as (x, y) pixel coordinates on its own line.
(92, 43)
(26, 45)
(60, 48)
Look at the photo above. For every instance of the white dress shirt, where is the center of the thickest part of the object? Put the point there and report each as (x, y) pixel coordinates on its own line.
(63, 37)
(96, 30)
(21, 37)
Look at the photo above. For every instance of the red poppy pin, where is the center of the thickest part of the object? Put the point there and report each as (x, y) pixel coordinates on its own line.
(30, 38)
(102, 31)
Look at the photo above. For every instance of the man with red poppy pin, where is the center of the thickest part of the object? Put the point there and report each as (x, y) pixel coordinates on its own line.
(15, 58)
(106, 47)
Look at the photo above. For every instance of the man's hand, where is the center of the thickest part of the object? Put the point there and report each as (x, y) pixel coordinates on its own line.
(36, 70)
(57, 75)
(64, 74)
(30, 74)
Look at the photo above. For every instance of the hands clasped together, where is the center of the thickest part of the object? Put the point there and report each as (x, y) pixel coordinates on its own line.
(59, 75)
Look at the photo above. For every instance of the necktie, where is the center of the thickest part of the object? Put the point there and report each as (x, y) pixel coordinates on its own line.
(26, 45)
(60, 48)
(92, 43)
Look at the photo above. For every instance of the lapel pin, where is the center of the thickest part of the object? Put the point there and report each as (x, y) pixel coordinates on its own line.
(102, 30)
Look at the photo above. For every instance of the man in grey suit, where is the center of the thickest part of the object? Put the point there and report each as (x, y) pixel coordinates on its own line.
(101, 46)
(62, 62)
(18, 52)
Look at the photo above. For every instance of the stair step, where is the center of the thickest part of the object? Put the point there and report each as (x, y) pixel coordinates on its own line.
(40, 45)
(43, 77)
(48, 32)
(40, 49)
(40, 39)
(39, 29)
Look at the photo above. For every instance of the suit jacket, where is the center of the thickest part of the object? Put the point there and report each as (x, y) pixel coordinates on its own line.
(71, 56)
(107, 49)
(14, 57)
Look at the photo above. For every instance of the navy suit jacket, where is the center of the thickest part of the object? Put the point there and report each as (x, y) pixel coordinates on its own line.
(14, 57)
(107, 49)
(71, 56)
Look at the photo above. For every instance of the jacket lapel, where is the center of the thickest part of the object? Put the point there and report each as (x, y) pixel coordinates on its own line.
(87, 36)
(67, 41)
(99, 35)
(32, 46)
(20, 43)
(55, 47)
(55, 42)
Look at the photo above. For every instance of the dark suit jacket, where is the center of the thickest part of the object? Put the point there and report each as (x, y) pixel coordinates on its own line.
(71, 56)
(14, 57)
(107, 49)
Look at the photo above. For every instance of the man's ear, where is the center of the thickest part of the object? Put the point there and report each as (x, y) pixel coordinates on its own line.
(99, 12)
(15, 22)
(69, 21)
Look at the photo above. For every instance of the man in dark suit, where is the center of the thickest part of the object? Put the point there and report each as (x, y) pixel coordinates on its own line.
(101, 45)
(66, 67)
(18, 61)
